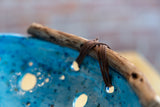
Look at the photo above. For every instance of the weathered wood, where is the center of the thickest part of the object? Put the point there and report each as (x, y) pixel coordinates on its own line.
(136, 79)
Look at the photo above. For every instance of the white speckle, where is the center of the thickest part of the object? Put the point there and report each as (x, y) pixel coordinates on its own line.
(30, 64)
(30, 91)
(110, 89)
(18, 73)
(40, 85)
(28, 82)
(47, 80)
(80, 101)
(21, 92)
(38, 73)
(62, 77)
(75, 66)
(35, 69)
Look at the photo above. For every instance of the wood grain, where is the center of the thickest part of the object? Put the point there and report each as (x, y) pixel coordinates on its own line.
(144, 66)
(135, 77)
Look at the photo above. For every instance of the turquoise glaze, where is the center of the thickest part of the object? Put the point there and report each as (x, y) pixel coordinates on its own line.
(53, 61)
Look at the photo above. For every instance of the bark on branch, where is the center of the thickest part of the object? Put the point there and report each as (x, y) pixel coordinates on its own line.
(136, 79)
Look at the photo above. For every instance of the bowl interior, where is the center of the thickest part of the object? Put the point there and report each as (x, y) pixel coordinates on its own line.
(50, 79)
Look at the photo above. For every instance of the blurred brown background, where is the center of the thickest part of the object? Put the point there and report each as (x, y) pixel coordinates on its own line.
(122, 24)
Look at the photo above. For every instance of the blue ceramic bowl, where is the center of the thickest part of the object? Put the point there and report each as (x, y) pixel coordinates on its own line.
(56, 84)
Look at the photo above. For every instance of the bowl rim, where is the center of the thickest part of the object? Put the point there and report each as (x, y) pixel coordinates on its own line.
(13, 35)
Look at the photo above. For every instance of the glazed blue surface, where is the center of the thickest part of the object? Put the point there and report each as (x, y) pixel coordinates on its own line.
(53, 61)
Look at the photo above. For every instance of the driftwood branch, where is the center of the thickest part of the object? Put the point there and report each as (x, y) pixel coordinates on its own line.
(136, 79)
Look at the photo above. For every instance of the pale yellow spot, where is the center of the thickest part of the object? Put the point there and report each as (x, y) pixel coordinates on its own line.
(62, 77)
(39, 78)
(75, 66)
(81, 101)
(47, 80)
(30, 64)
(28, 82)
